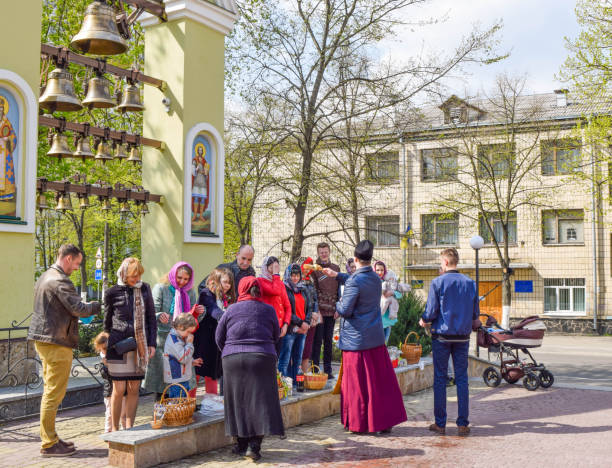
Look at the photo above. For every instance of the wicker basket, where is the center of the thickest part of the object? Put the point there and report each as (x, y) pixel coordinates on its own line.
(315, 380)
(411, 351)
(179, 411)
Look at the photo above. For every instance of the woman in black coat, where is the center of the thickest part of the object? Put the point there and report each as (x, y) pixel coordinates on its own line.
(131, 324)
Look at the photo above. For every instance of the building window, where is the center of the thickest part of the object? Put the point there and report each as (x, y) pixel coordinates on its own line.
(383, 167)
(563, 226)
(383, 231)
(564, 296)
(440, 229)
(498, 230)
(495, 160)
(560, 156)
(439, 163)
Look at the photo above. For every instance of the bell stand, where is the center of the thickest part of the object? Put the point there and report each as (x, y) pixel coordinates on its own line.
(83, 128)
(120, 192)
(62, 54)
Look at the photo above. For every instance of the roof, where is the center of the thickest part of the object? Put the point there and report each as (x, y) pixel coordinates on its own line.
(229, 5)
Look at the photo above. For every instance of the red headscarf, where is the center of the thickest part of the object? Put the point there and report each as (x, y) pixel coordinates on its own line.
(245, 286)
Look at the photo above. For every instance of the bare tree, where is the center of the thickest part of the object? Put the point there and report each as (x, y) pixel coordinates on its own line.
(291, 53)
(492, 167)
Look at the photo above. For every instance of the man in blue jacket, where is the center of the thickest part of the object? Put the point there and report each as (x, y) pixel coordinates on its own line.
(452, 306)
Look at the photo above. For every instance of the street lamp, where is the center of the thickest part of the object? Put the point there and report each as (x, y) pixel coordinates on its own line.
(477, 242)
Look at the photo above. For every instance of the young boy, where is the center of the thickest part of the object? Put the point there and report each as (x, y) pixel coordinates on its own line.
(178, 354)
(100, 343)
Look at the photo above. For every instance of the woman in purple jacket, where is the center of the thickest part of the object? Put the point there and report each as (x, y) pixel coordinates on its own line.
(246, 335)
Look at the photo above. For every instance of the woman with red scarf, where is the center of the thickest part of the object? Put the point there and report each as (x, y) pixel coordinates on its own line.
(273, 292)
(247, 334)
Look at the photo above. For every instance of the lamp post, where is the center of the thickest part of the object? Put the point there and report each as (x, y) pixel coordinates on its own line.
(477, 242)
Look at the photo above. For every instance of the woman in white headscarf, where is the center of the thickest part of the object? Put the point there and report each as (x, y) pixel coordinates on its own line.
(131, 324)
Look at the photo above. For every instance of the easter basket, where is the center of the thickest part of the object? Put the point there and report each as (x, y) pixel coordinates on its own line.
(315, 379)
(178, 411)
(412, 351)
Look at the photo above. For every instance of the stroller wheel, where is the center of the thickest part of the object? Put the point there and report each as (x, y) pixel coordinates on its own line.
(491, 377)
(546, 379)
(531, 381)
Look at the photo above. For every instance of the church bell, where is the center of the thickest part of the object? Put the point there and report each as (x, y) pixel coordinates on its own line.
(83, 201)
(98, 94)
(103, 152)
(59, 93)
(83, 149)
(135, 155)
(41, 203)
(59, 147)
(63, 202)
(99, 34)
(121, 151)
(130, 101)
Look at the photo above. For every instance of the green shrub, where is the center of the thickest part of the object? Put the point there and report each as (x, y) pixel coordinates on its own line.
(87, 333)
(411, 307)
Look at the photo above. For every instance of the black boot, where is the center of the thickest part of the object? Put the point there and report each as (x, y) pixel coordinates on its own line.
(241, 446)
(254, 448)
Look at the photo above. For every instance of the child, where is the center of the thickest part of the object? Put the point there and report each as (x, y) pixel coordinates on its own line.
(178, 354)
(388, 308)
(100, 343)
(215, 297)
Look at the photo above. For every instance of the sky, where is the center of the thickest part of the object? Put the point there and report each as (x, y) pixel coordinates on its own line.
(533, 33)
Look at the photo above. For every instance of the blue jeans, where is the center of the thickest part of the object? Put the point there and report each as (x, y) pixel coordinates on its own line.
(459, 352)
(387, 333)
(290, 357)
(176, 392)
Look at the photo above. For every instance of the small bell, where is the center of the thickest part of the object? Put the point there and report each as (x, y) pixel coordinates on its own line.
(103, 152)
(144, 210)
(106, 204)
(121, 151)
(64, 203)
(130, 102)
(134, 155)
(59, 93)
(41, 203)
(83, 202)
(125, 208)
(98, 94)
(99, 34)
(83, 149)
(59, 147)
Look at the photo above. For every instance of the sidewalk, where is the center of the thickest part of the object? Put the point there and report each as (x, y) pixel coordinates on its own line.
(512, 427)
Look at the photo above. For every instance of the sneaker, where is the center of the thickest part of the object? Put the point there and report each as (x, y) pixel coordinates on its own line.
(66, 443)
(252, 454)
(57, 450)
(435, 428)
(463, 430)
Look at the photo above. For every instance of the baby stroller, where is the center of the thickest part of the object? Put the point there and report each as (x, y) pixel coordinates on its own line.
(529, 333)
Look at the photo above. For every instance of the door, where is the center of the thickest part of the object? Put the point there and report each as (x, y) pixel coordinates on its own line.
(492, 303)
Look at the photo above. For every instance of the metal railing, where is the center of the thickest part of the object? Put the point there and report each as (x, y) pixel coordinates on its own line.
(21, 367)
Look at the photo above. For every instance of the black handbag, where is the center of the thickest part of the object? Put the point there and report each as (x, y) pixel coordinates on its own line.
(126, 345)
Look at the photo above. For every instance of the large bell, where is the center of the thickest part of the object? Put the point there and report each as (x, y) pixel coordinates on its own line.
(99, 34)
(59, 147)
(83, 149)
(125, 208)
(41, 203)
(64, 203)
(135, 155)
(130, 101)
(121, 151)
(59, 94)
(103, 152)
(98, 94)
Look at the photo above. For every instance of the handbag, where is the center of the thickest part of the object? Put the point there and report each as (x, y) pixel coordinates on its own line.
(126, 345)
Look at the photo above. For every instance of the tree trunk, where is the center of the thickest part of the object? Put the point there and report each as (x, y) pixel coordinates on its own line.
(302, 203)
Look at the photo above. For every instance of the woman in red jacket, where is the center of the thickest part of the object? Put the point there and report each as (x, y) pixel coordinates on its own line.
(273, 292)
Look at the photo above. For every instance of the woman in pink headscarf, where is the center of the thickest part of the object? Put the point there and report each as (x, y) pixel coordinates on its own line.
(172, 296)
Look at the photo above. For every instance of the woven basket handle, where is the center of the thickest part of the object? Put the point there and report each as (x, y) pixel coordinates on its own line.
(170, 385)
(408, 336)
(313, 367)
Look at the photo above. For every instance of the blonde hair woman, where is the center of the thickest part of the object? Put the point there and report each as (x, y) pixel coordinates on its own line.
(130, 322)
